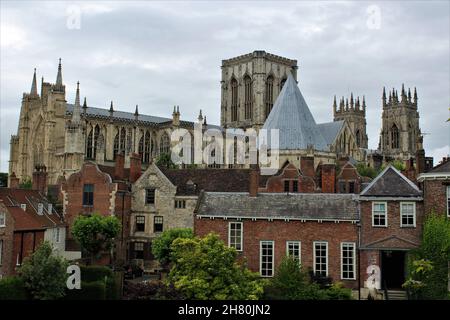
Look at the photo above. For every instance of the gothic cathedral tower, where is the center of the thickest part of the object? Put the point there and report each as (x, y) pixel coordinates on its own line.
(250, 85)
(354, 113)
(400, 131)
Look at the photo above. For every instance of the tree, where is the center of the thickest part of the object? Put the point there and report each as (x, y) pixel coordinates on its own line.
(435, 248)
(44, 273)
(26, 184)
(161, 245)
(366, 171)
(204, 268)
(95, 233)
(165, 160)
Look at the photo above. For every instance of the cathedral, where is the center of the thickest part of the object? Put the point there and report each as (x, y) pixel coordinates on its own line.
(259, 90)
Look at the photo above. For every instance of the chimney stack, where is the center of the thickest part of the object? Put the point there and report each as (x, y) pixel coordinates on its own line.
(119, 171)
(135, 167)
(328, 178)
(13, 181)
(307, 166)
(254, 181)
(40, 179)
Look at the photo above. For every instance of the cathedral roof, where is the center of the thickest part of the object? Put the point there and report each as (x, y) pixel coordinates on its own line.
(330, 130)
(292, 117)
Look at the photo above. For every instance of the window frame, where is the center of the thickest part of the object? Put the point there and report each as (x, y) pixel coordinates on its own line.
(138, 250)
(294, 186)
(315, 243)
(136, 229)
(3, 219)
(154, 224)
(1, 251)
(448, 200)
(287, 183)
(261, 242)
(402, 225)
(241, 243)
(147, 190)
(299, 243)
(88, 196)
(385, 214)
(353, 264)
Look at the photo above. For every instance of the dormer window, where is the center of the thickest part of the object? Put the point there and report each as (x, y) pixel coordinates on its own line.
(2, 219)
(40, 209)
(23, 206)
(190, 186)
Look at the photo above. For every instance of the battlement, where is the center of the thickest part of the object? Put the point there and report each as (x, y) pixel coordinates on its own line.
(349, 107)
(260, 54)
(405, 100)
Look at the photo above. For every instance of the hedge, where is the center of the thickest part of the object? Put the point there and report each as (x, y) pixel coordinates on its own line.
(13, 288)
(95, 273)
(94, 290)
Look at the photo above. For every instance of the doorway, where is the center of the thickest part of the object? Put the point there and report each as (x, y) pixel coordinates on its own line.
(392, 269)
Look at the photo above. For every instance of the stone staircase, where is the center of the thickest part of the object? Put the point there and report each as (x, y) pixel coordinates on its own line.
(397, 295)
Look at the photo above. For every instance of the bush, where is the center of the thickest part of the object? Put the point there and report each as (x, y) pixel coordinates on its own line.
(95, 273)
(13, 288)
(151, 290)
(161, 245)
(95, 290)
(365, 171)
(338, 292)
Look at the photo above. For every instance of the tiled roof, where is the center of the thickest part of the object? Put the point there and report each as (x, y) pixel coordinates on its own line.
(391, 183)
(280, 206)
(330, 130)
(292, 117)
(29, 219)
(229, 180)
(441, 168)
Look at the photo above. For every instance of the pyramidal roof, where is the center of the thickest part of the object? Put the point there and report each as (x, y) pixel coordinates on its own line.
(292, 117)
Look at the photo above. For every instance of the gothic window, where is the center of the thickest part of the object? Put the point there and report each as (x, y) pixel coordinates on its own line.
(358, 138)
(248, 97)
(116, 145)
(394, 137)
(411, 138)
(283, 81)
(122, 140)
(141, 147)
(153, 147)
(95, 142)
(129, 145)
(234, 100)
(88, 145)
(164, 145)
(146, 158)
(269, 95)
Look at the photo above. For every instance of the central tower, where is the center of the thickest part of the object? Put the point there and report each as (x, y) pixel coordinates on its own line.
(250, 85)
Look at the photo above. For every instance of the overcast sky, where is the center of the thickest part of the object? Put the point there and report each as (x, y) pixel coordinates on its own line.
(158, 54)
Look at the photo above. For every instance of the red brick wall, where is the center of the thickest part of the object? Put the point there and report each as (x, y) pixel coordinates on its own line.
(24, 244)
(435, 196)
(290, 172)
(371, 234)
(6, 236)
(349, 174)
(280, 232)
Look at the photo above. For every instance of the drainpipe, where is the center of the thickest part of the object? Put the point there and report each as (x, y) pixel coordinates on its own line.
(359, 259)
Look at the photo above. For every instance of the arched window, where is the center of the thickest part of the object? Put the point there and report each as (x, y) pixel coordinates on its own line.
(411, 139)
(282, 82)
(153, 147)
(395, 144)
(116, 145)
(234, 100)
(358, 138)
(164, 145)
(146, 158)
(269, 95)
(248, 96)
(122, 140)
(129, 143)
(89, 145)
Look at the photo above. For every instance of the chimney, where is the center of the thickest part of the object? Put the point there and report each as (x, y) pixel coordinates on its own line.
(328, 178)
(13, 181)
(307, 166)
(254, 181)
(119, 171)
(135, 167)
(420, 161)
(40, 179)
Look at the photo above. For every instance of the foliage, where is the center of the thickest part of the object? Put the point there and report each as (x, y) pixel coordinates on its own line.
(95, 273)
(26, 184)
(397, 164)
(161, 245)
(165, 160)
(44, 273)
(292, 283)
(151, 290)
(428, 277)
(204, 268)
(95, 233)
(366, 171)
(3, 179)
(95, 290)
(13, 288)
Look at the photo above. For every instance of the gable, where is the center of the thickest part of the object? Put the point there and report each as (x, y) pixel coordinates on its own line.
(391, 242)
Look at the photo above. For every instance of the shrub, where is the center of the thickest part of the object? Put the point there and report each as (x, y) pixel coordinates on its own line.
(338, 292)
(95, 290)
(13, 288)
(365, 171)
(161, 245)
(151, 290)
(95, 273)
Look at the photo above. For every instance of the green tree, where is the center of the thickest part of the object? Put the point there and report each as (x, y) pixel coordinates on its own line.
(95, 233)
(44, 273)
(419, 272)
(161, 245)
(435, 248)
(206, 269)
(366, 171)
(26, 184)
(165, 160)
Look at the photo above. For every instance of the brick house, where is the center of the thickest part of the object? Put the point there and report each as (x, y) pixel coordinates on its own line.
(436, 188)
(104, 190)
(27, 218)
(391, 209)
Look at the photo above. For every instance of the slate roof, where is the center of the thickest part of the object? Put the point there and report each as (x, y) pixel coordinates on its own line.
(391, 183)
(330, 130)
(29, 219)
(441, 168)
(292, 117)
(227, 180)
(279, 206)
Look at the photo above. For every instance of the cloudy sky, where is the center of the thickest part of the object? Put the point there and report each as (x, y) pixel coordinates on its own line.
(158, 54)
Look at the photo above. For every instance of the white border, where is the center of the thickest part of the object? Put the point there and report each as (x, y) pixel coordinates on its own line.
(242, 235)
(354, 260)
(314, 255)
(386, 214)
(260, 257)
(299, 249)
(401, 215)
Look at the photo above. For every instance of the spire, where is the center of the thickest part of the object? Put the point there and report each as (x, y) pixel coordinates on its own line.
(334, 104)
(111, 109)
(351, 101)
(178, 110)
(357, 105)
(409, 95)
(403, 93)
(76, 107)
(174, 110)
(346, 104)
(384, 97)
(415, 96)
(59, 83)
(136, 112)
(33, 91)
(84, 105)
(341, 104)
(200, 116)
(364, 104)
